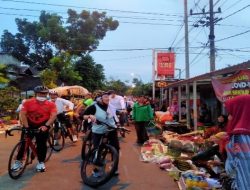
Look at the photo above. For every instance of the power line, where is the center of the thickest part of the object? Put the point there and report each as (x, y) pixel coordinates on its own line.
(233, 36)
(177, 34)
(52, 11)
(145, 23)
(231, 25)
(193, 60)
(125, 22)
(236, 12)
(224, 3)
(216, 3)
(195, 5)
(111, 10)
(232, 5)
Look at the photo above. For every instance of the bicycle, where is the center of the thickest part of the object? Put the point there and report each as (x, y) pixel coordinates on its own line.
(29, 152)
(87, 141)
(104, 159)
(59, 133)
(123, 118)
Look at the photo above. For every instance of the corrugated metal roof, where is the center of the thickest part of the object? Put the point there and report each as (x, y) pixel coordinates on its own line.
(208, 76)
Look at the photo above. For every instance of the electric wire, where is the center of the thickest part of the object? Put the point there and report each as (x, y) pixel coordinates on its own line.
(72, 6)
(232, 36)
(236, 12)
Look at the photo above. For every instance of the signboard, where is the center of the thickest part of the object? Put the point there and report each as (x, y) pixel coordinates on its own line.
(234, 85)
(161, 84)
(165, 64)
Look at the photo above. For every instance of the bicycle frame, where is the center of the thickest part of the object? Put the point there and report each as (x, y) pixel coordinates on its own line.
(27, 140)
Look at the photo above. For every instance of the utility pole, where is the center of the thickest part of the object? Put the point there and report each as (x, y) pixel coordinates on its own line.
(187, 63)
(211, 36)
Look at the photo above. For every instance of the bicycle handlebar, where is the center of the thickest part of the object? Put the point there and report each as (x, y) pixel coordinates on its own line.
(8, 131)
(110, 128)
(24, 129)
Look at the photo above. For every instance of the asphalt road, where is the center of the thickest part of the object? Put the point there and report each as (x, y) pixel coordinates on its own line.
(63, 170)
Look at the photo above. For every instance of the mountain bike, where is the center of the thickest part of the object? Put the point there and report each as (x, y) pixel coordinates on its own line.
(87, 140)
(59, 133)
(104, 159)
(25, 149)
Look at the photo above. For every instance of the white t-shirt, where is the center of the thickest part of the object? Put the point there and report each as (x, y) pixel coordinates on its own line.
(62, 103)
(116, 103)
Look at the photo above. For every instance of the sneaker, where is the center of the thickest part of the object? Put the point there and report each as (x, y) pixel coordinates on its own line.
(40, 167)
(56, 143)
(74, 138)
(17, 166)
(96, 173)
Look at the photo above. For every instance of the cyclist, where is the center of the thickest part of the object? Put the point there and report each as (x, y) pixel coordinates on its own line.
(118, 107)
(37, 113)
(61, 105)
(100, 111)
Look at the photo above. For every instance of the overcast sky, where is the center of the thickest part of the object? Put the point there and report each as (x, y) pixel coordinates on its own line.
(156, 24)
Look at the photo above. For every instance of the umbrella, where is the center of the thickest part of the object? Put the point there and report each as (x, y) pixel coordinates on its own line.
(71, 91)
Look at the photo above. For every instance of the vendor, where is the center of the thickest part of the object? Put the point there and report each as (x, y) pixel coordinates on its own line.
(220, 127)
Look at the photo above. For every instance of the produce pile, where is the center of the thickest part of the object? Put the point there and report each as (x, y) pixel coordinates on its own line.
(176, 157)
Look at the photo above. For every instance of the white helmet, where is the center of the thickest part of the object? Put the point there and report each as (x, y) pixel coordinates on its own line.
(53, 92)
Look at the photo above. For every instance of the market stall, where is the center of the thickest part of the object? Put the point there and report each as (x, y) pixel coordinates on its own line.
(186, 159)
(71, 91)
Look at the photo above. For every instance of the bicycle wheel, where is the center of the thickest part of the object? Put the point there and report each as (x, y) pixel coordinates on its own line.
(49, 148)
(58, 140)
(16, 173)
(86, 144)
(98, 173)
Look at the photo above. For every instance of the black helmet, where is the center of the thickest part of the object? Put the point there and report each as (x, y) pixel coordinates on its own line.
(41, 89)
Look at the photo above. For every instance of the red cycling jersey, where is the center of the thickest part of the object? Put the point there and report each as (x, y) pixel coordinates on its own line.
(38, 112)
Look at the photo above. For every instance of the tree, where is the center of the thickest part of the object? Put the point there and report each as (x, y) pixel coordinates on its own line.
(6, 73)
(49, 78)
(38, 42)
(117, 85)
(8, 100)
(92, 74)
(4, 79)
(86, 29)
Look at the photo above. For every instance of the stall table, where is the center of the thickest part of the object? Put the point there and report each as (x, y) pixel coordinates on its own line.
(176, 127)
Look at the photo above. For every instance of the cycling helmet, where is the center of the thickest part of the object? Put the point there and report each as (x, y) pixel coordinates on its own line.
(53, 92)
(41, 89)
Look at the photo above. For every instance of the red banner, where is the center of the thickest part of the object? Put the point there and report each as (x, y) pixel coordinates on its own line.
(234, 85)
(166, 64)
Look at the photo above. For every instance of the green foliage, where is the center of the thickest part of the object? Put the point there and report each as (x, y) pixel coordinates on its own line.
(4, 79)
(142, 89)
(49, 78)
(92, 74)
(86, 29)
(9, 99)
(117, 85)
(61, 47)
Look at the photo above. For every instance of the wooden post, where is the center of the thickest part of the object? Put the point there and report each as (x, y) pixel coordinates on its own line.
(195, 104)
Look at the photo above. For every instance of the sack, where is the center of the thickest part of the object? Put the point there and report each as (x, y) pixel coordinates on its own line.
(153, 129)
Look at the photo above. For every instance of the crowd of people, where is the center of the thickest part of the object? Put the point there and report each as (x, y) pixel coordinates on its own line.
(113, 109)
(47, 108)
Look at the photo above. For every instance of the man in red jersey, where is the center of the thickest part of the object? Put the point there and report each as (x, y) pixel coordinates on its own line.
(37, 113)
